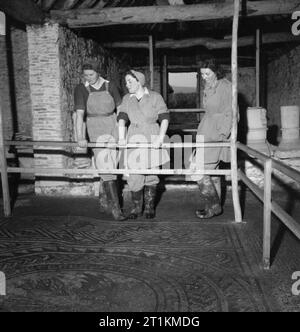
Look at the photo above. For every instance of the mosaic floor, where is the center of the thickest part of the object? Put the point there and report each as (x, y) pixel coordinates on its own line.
(61, 255)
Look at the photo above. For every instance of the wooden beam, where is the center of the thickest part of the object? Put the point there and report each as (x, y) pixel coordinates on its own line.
(65, 4)
(209, 43)
(84, 18)
(48, 4)
(25, 11)
(234, 129)
(3, 164)
(151, 62)
(2, 24)
(165, 78)
(257, 67)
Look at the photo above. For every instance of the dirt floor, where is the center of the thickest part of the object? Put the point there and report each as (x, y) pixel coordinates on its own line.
(61, 254)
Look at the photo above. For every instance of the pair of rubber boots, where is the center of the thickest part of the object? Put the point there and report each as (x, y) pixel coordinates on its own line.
(146, 195)
(210, 199)
(109, 200)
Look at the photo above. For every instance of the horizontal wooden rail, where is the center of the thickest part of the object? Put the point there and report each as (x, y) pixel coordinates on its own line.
(252, 152)
(256, 190)
(287, 170)
(289, 222)
(187, 110)
(114, 145)
(86, 171)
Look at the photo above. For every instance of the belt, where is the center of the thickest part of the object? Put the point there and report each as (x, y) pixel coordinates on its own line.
(99, 115)
(142, 124)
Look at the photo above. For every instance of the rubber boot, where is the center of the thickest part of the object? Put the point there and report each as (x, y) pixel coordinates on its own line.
(103, 200)
(137, 200)
(113, 199)
(149, 199)
(210, 201)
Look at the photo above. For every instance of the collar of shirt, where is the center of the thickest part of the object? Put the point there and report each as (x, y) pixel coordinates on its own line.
(146, 92)
(98, 84)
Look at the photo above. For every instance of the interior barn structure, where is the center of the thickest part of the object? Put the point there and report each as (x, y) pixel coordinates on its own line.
(58, 252)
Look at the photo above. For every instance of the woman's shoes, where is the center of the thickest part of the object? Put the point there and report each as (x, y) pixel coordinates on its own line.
(113, 200)
(149, 197)
(137, 200)
(210, 200)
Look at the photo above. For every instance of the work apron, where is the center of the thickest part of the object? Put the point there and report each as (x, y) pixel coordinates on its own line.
(102, 128)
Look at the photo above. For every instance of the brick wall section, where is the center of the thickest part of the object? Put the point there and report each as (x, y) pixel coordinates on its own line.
(283, 84)
(47, 115)
(14, 81)
(56, 56)
(5, 91)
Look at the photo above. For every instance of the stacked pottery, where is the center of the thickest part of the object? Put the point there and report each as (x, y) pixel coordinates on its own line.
(290, 127)
(257, 129)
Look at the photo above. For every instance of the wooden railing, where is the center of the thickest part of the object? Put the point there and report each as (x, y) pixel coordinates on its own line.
(43, 145)
(265, 196)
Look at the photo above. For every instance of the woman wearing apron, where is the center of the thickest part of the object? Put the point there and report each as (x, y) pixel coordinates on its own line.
(97, 100)
(143, 108)
(214, 127)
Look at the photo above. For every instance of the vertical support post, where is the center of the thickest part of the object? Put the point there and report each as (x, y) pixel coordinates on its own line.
(3, 165)
(198, 93)
(165, 78)
(151, 61)
(267, 214)
(258, 50)
(234, 69)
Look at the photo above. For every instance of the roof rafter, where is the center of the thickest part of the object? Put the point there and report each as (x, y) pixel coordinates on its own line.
(166, 14)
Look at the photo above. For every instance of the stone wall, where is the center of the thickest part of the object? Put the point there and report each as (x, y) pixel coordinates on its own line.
(283, 84)
(14, 83)
(56, 55)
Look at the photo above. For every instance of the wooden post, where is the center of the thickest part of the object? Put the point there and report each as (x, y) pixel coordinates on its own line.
(258, 48)
(165, 79)
(151, 62)
(234, 69)
(198, 93)
(3, 165)
(267, 214)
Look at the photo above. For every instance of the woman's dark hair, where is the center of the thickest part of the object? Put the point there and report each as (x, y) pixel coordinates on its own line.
(131, 73)
(215, 67)
(91, 65)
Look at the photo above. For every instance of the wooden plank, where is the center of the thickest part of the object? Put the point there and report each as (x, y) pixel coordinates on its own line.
(3, 167)
(209, 43)
(151, 62)
(165, 78)
(257, 67)
(186, 110)
(253, 153)
(2, 24)
(267, 214)
(287, 170)
(41, 145)
(234, 130)
(252, 186)
(80, 18)
(48, 4)
(289, 222)
(50, 172)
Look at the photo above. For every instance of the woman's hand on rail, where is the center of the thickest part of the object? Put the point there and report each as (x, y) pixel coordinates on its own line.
(157, 142)
(122, 142)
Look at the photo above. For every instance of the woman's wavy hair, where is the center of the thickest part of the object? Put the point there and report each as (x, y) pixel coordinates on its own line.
(215, 67)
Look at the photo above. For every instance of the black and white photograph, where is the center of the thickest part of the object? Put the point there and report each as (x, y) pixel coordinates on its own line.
(150, 159)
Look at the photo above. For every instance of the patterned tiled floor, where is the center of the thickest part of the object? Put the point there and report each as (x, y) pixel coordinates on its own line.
(59, 254)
